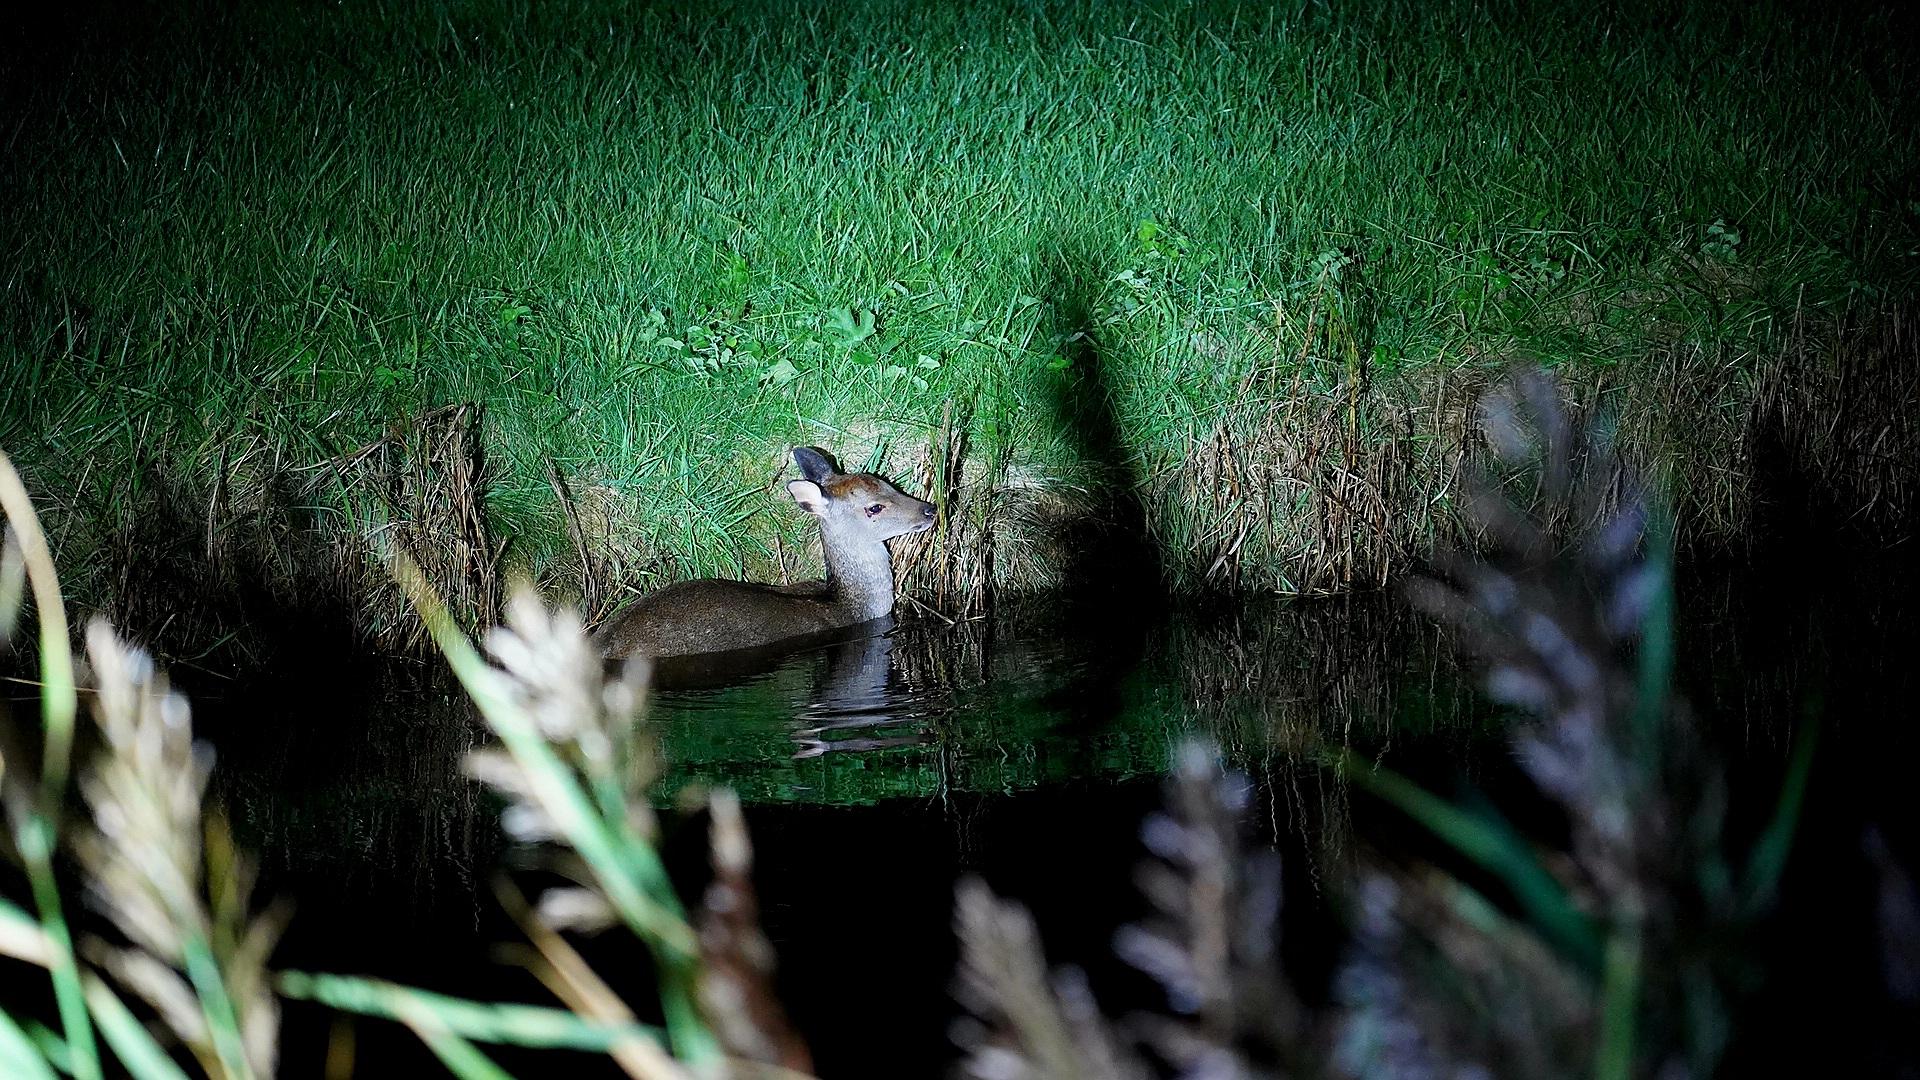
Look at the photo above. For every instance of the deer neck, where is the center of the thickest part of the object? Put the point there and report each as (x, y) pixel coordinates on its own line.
(859, 576)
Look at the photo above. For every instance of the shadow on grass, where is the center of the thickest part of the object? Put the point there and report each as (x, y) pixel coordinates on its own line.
(1113, 566)
(1115, 576)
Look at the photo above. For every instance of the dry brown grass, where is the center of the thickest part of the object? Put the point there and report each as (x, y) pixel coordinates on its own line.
(1315, 481)
(949, 571)
(1319, 476)
(192, 567)
(429, 479)
(1299, 490)
(1834, 422)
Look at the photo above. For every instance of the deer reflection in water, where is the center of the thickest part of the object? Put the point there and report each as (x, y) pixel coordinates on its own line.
(861, 702)
(851, 693)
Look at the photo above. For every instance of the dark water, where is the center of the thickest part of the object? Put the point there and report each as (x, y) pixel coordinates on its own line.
(1027, 750)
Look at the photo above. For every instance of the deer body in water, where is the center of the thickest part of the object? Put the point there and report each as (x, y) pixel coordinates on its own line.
(857, 514)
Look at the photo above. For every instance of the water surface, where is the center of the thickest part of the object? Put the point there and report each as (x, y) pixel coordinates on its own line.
(879, 770)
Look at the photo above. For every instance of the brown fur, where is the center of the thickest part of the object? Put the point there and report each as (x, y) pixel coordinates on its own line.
(857, 515)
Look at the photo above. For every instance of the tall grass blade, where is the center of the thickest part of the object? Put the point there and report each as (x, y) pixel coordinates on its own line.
(1769, 858)
(22, 938)
(1619, 1005)
(13, 583)
(128, 1037)
(655, 916)
(517, 1025)
(51, 1046)
(19, 1057)
(34, 834)
(624, 863)
(1495, 847)
(223, 1023)
(34, 837)
(462, 1058)
(58, 701)
(562, 970)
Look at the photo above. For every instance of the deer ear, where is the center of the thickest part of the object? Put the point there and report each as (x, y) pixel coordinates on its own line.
(815, 464)
(809, 496)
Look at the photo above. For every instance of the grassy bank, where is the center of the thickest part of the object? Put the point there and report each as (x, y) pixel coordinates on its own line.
(1225, 273)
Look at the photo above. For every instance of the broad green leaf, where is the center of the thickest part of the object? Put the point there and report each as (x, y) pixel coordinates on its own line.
(851, 326)
(780, 372)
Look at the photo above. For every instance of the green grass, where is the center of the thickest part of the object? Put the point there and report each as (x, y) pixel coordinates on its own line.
(661, 246)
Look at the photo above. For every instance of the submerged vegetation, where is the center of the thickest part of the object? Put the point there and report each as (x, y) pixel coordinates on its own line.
(1229, 273)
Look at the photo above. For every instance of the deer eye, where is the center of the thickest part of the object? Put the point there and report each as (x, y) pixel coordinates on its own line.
(875, 509)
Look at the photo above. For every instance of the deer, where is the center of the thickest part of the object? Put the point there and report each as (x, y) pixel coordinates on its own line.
(857, 514)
